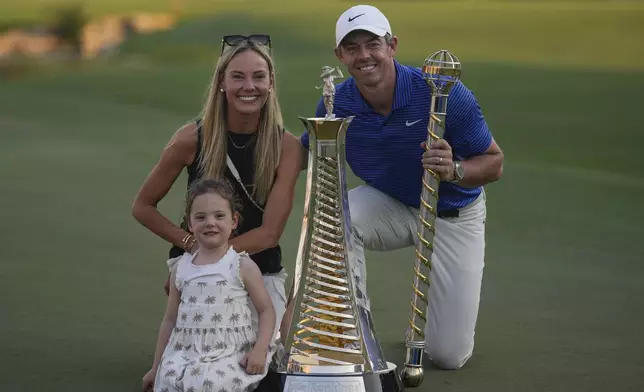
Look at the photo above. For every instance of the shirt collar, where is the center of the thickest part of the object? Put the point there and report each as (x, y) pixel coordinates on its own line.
(402, 90)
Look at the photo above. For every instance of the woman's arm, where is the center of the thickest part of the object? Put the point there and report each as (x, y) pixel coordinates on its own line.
(252, 278)
(178, 153)
(279, 204)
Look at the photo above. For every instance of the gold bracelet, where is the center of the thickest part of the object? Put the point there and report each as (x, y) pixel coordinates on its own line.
(184, 241)
(193, 241)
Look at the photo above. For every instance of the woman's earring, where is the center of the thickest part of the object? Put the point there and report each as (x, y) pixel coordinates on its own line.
(221, 89)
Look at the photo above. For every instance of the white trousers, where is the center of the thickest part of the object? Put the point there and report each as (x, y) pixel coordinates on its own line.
(382, 223)
(275, 285)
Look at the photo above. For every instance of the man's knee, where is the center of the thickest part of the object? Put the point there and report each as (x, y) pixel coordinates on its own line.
(359, 214)
(364, 204)
(451, 357)
(450, 360)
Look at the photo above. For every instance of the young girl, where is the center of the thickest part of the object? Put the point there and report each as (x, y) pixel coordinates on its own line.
(206, 339)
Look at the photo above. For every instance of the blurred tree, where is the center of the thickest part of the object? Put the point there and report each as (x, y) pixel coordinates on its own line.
(68, 26)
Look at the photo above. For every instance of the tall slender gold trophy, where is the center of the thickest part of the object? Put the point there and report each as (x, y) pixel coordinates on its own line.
(442, 71)
(331, 343)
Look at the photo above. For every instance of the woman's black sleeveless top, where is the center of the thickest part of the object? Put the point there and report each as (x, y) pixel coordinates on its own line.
(241, 149)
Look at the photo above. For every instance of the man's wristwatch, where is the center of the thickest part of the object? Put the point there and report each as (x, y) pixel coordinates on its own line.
(459, 172)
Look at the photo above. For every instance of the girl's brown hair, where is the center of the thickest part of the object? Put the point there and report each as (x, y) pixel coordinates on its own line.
(222, 187)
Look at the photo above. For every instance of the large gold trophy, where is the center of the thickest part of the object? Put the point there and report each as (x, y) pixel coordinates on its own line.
(331, 343)
(442, 71)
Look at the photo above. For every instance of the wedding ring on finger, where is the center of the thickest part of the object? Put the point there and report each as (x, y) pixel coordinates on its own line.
(440, 160)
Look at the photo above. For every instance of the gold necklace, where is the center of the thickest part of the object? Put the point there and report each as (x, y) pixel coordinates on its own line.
(245, 145)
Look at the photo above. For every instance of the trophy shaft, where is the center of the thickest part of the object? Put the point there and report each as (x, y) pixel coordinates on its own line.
(442, 71)
(427, 219)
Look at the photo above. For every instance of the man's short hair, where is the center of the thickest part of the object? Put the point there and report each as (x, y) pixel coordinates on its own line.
(388, 37)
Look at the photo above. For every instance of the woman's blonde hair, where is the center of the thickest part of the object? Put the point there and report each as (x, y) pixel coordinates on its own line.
(212, 163)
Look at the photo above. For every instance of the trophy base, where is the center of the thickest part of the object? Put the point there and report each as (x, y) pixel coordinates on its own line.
(384, 381)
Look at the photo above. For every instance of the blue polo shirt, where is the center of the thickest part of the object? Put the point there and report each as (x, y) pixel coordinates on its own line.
(385, 152)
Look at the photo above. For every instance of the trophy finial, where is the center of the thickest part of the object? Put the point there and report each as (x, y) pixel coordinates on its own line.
(328, 88)
(442, 70)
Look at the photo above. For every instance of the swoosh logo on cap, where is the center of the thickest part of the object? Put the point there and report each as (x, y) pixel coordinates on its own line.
(354, 18)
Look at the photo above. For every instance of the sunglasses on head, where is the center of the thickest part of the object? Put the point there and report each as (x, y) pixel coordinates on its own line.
(234, 40)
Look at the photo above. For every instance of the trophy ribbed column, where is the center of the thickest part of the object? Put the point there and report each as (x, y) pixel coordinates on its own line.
(327, 268)
(326, 328)
(330, 343)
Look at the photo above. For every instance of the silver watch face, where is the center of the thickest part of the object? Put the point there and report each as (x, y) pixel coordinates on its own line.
(458, 171)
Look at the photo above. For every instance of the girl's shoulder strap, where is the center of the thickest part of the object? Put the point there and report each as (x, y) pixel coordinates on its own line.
(235, 265)
(181, 268)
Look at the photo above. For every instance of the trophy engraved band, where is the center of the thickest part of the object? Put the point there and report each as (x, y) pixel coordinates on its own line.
(331, 342)
(441, 71)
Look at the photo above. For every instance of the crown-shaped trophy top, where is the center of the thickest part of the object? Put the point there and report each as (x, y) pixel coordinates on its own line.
(442, 70)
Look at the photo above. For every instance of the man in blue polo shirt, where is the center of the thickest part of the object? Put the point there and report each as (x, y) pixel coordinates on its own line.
(385, 148)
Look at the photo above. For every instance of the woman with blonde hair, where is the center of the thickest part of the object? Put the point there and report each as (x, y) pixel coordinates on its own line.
(240, 137)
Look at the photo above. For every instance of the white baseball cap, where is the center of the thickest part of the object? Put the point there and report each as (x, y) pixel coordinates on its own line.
(361, 17)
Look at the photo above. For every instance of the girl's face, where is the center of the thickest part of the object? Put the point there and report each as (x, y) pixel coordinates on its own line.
(247, 81)
(211, 220)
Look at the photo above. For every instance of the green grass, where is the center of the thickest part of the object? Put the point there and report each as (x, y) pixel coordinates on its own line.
(82, 281)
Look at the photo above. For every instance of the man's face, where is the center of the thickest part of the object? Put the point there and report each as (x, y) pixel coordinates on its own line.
(368, 58)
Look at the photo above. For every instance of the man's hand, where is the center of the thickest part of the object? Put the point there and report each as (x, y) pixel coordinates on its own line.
(439, 159)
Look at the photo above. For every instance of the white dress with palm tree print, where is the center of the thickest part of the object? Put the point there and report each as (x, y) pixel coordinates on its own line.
(213, 331)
